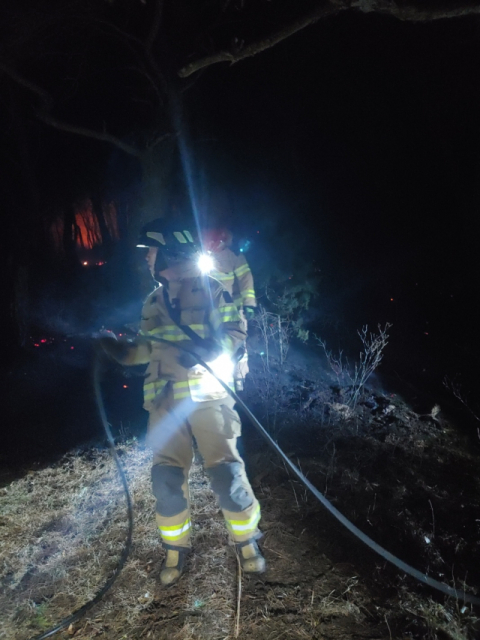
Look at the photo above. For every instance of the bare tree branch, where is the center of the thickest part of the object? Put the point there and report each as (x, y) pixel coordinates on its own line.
(89, 133)
(419, 10)
(124, 34)
(143, 72)
(406, 10)
(43, 114)
(144, 51)
(158, 139)
(27, 84)
(157, 19)
(321, 11)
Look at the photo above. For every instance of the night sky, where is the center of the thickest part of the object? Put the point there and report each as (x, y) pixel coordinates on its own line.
(359, 139)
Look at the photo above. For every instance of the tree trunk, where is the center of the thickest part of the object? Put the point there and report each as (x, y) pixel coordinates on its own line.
(157, 168)
(97, 211)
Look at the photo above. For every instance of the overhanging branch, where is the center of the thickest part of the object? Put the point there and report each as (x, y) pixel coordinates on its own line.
(405, 10)
(419, 10)
(89, 133)
(43, 114)
(321, 11)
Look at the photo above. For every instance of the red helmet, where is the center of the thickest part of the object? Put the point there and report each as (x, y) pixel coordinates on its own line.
(215, 240)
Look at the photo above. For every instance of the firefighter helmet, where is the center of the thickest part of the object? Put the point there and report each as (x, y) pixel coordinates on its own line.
(175, 242)
(166, 236)
(215, 240)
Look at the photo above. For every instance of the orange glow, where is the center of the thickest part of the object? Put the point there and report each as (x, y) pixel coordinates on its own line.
(87, 228)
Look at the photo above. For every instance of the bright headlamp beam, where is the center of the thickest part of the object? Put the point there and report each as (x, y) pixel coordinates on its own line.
(205, 263)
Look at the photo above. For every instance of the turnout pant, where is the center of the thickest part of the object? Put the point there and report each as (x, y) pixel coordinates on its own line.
(215, 426)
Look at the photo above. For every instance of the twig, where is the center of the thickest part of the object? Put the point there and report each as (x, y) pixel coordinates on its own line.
(455, 389)
(239, 595)
(388, 626)
(433, 519)
(291, 484)
(157, 19)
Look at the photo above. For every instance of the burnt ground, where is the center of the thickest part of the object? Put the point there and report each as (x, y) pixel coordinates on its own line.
(405, 475)
(407, 478)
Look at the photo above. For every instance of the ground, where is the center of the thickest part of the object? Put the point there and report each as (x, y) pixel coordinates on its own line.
(406, 477)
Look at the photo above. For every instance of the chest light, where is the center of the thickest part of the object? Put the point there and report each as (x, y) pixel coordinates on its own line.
(205, 263)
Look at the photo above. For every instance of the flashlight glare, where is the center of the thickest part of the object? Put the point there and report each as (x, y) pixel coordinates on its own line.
(205, 263)
(222, 367)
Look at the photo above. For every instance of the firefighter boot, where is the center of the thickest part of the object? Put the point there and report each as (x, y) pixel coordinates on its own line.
(251, 558)
(173, 565)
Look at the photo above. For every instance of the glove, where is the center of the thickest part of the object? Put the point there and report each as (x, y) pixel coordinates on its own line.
(208, 351)
(110, 344)
(248, 312)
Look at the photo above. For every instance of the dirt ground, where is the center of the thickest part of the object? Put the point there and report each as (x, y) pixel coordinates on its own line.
(408, 479)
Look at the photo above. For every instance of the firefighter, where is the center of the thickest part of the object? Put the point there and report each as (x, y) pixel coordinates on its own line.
(192, 311)
(233, 272)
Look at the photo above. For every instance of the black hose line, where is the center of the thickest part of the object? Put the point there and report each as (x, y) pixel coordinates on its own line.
(76, 615)
(458, 594)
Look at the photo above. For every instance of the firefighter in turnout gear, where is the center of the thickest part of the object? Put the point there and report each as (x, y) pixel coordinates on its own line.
(233, 272)
(184, 401)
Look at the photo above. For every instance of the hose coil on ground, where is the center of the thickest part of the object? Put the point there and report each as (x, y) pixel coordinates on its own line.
(76, 615)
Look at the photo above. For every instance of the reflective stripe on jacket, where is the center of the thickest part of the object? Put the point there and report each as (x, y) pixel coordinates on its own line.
(208, 310)
(233, 272)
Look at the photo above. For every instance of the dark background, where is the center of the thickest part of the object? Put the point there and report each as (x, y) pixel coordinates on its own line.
(350, 151)
(358, 141)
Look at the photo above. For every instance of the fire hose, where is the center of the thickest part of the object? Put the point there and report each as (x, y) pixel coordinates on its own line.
(76, 615)
(458, 594)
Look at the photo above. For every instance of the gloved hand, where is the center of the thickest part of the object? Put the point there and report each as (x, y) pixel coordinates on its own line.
(208, 351)
(111, 345)
(248, 312)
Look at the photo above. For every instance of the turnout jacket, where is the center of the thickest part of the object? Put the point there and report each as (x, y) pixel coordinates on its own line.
(202, 304)
(233, 272)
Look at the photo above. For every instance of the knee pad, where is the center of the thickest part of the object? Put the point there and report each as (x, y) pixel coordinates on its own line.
(167, 488)
(229, 483)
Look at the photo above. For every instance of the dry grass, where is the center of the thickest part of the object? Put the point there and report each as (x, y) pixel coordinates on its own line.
(63, 527)
(61, 532)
